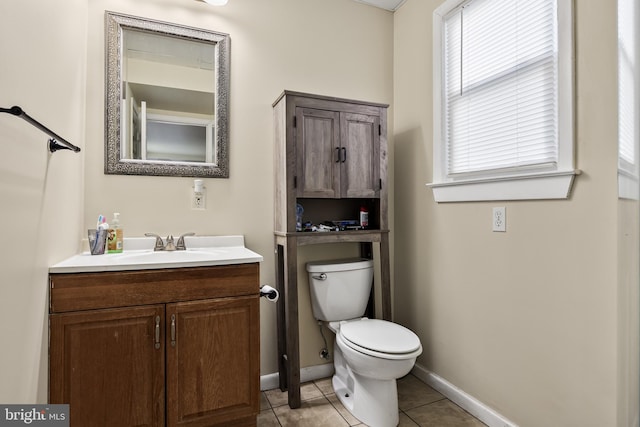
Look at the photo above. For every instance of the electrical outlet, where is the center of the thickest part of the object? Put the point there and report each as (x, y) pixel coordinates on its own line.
(499, 219)
(198, 201)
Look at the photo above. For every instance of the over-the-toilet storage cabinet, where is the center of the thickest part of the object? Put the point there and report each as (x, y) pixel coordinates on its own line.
(331, 158)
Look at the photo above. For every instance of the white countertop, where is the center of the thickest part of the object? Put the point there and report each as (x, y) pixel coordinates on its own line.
(138, 254)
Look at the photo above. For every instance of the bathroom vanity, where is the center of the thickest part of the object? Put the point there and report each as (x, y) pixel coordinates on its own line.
(150, 346)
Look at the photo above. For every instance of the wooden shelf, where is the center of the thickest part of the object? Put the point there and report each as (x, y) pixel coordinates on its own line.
(319, 237)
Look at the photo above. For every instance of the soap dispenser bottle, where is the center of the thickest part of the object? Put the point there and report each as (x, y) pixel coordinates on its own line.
(115, 242)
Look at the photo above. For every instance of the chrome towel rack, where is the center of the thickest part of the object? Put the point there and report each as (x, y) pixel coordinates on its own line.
(56, 142)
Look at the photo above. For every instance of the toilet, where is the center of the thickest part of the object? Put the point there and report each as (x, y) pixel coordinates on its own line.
(369, 354)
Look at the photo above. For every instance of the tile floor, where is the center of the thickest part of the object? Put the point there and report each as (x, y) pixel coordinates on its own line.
(419, 404)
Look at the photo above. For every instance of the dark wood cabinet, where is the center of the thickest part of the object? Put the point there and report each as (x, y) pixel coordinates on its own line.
(211, 353)
(174, 347)
(105, 364)
(331, 158)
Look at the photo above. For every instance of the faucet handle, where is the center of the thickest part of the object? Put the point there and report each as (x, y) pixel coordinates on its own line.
(181, 246)
(159, 245)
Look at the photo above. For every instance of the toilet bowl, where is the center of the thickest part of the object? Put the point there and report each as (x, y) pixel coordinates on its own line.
(367, 361)
(369, 354)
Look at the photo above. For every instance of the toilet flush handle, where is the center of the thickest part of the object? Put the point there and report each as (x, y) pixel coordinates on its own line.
(322, 276)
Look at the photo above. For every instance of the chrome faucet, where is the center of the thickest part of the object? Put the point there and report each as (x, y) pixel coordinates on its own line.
(169, 246)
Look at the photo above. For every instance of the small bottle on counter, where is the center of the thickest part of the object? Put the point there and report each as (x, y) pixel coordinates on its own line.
(364, 217)
(115, 238)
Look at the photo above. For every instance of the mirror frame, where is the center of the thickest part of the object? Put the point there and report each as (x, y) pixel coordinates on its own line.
(115, 23)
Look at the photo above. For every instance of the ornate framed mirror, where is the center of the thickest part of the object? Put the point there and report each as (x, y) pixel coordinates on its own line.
(166, 101)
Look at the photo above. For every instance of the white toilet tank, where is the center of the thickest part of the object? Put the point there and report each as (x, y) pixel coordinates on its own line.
(340, 288)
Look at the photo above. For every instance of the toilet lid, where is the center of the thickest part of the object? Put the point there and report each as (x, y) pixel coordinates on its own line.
(380, 336)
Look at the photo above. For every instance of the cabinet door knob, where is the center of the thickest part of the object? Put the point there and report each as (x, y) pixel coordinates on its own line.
(344, 154)
(173, 330)
(337, 154)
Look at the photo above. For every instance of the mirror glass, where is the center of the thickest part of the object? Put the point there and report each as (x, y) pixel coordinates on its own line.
(166, 104)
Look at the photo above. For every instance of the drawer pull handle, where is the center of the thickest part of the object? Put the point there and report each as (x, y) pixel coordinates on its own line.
(157, 333)
(173, 330)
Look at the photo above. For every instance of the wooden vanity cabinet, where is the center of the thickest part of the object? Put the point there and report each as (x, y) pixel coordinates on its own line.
(171, 347)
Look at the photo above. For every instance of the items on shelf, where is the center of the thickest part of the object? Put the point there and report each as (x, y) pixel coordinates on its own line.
(342, 225)
(299, 213)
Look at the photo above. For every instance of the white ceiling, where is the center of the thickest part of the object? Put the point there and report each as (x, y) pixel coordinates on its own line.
(391, 5)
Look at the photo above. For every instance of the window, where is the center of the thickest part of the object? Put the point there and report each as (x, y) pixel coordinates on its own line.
(628, 100)
(503, 96)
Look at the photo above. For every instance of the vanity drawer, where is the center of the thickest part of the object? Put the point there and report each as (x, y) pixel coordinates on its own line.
(88, 291)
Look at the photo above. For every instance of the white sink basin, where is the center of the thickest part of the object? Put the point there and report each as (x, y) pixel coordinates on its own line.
(190, 255)
(139, 255)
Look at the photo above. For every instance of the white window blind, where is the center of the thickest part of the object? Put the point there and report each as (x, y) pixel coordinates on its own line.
(627, 90)
(500, 85)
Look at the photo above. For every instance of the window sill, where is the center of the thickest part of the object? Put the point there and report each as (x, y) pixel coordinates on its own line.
(555, 185)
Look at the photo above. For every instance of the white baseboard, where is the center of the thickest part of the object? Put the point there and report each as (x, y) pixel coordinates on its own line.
(311, 373)
(462, 399)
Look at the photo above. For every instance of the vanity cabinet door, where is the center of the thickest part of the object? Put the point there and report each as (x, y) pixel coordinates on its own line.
(213, 362)
(109, 365)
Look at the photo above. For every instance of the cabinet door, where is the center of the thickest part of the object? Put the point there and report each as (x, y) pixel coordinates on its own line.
(108, 365)
(213, 362)
(318, 153)
(360, 162)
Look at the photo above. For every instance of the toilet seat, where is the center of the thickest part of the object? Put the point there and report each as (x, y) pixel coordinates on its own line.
(380, 338)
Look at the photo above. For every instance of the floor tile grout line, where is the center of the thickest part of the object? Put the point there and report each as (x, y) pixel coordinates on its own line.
(334, 406)
(416, 422)
(275, 416)
(336, 409)
(267, 399)
(425, 404)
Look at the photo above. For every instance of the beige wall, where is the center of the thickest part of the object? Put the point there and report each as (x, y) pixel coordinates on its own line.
(526, 321)
(628, 313)
(43, 71)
